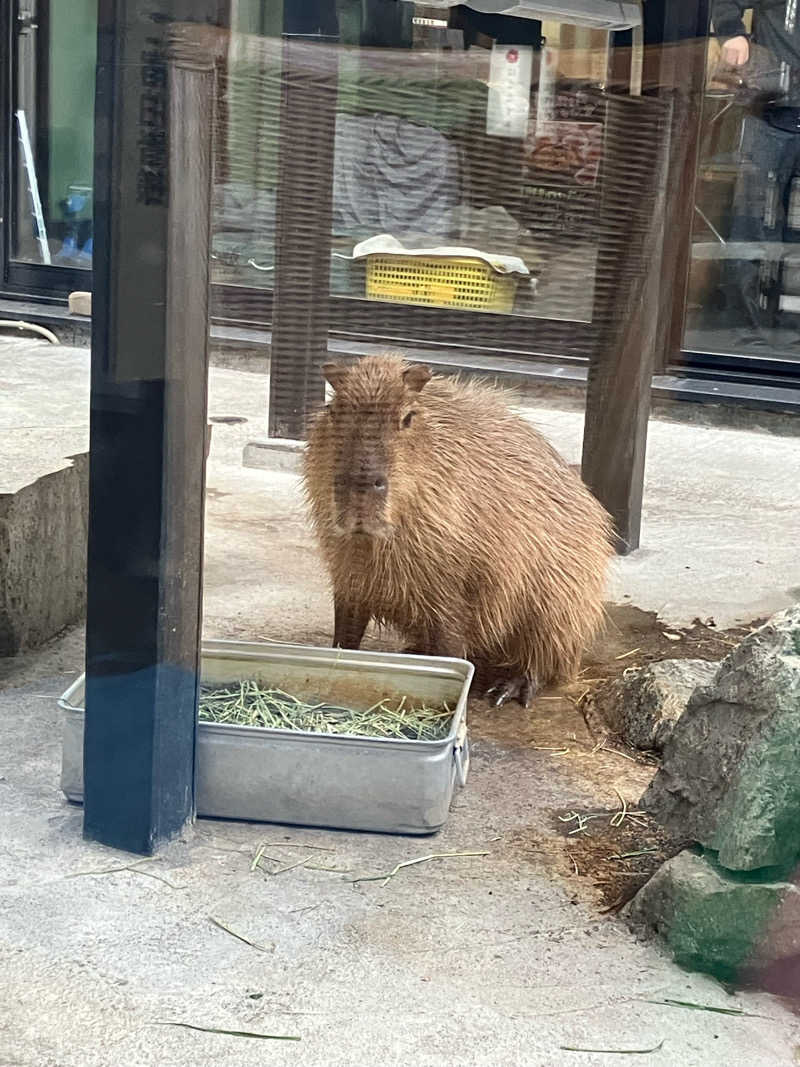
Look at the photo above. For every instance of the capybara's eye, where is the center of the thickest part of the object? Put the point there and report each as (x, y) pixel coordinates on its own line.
(407, 419)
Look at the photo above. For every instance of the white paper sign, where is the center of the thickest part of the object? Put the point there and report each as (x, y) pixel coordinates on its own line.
(546, 98)
(509, 100)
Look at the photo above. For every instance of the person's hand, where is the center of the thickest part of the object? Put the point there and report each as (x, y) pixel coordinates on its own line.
(736, 51)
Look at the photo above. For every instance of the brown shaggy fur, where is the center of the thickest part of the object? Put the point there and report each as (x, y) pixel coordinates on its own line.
(483, 543)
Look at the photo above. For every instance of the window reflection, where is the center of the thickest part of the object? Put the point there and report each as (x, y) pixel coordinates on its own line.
(744, 292)
(453, 129)
(53, 55)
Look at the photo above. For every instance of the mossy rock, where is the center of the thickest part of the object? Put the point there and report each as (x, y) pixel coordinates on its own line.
(715, 921)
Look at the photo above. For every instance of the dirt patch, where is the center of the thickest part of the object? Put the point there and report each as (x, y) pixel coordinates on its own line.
(618, 858)
(602, 859)
(606, 857)
(633, 638)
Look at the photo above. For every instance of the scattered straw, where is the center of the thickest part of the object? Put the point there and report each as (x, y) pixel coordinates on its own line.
(619, 817)
(299, 844)
(111, 870)
(582, 820)
(131, 868)
(291, 866)
(615, 1051)
(158, 877)
(384, 878)
(262, 854)
(616, 752)
(306, 862)
(631, 855)
(707, 1007)
(638, 819)
(239, 937)
(632, 652)
(228, 1033)
(246, 703)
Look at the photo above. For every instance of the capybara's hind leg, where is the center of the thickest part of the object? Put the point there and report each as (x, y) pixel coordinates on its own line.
(350, 622)
(519, 687)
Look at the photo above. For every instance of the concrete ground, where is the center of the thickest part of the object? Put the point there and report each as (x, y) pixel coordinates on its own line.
(503, 958)
(486, 960)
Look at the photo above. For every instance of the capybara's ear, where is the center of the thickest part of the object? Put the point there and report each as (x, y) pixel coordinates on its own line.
(417, 376)
(334, 374)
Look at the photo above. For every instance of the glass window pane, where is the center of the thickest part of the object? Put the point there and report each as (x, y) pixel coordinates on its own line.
(744, 284)
(54, 53)
(456, 131)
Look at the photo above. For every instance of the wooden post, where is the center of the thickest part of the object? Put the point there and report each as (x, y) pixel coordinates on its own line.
(153, 129)
(626, 314)
(303, 216)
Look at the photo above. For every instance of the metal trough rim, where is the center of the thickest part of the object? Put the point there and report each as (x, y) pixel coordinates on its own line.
(248, 651)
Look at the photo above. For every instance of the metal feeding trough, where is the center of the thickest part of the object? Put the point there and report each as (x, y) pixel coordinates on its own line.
(313, 779)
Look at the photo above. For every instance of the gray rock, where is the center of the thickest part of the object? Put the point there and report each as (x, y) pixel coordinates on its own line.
(729, 777)
(643, 705)
(715, 921)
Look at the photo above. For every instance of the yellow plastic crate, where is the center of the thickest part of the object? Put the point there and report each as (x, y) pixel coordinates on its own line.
(440, 281)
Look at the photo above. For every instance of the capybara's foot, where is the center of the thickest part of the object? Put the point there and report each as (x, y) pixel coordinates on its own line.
(520, 687)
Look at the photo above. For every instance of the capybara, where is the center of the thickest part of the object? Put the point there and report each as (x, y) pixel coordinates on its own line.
(441, 512)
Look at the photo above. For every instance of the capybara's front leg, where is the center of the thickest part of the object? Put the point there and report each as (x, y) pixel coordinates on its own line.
(350, 622)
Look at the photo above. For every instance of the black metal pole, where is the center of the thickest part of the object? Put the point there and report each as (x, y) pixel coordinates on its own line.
(155, 91)
(303, 215)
